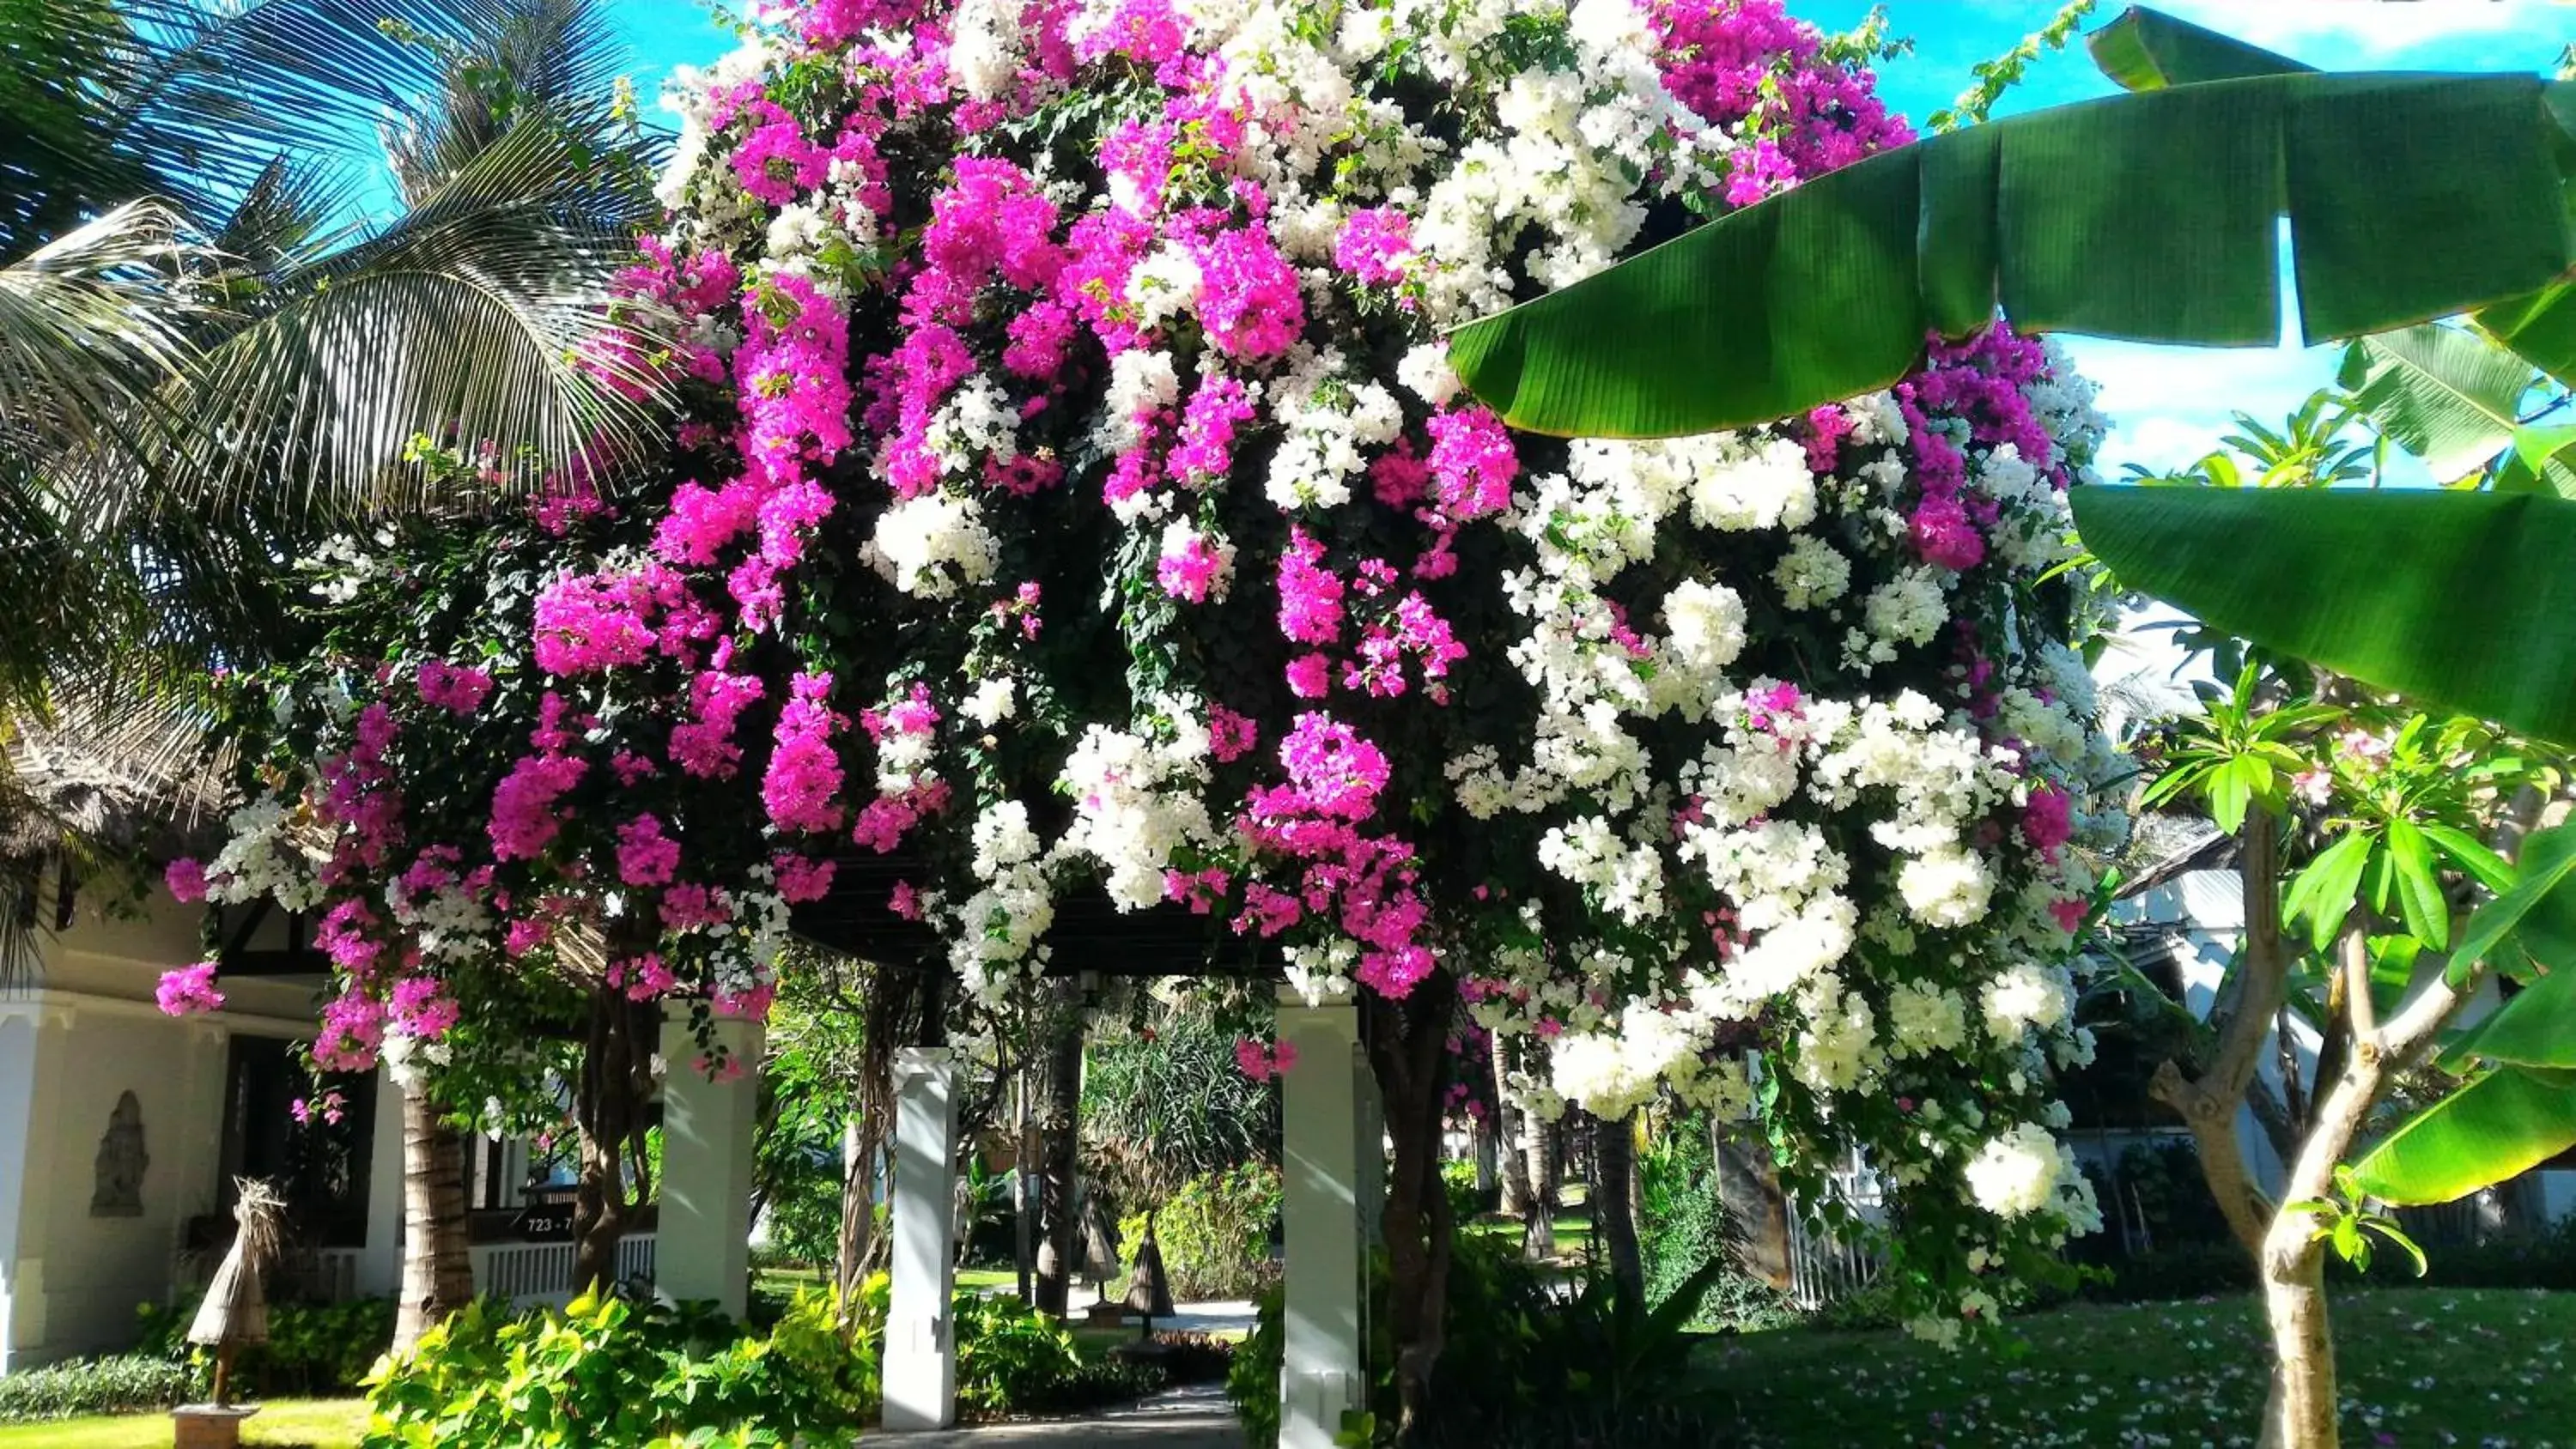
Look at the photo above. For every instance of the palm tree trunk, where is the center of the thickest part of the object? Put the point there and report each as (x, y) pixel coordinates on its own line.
(1614, 1204)
(438, 1271)
(1511, 1133)
(1059, 1124)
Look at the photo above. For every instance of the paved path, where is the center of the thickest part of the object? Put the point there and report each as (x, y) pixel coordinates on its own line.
(1195, 1417)
(1192, 1418)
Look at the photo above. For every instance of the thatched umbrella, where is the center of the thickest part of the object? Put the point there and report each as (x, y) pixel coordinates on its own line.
(1150, 1293)
(235, 1313)
(1099, 1242)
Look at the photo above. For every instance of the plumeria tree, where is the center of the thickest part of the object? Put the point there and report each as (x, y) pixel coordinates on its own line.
(1076, 509)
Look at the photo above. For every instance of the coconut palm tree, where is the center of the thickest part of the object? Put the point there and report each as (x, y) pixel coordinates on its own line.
(262, 247)
(250, 252)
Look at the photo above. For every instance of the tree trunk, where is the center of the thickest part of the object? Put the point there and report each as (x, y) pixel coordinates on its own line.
(1059, 1121)
(858, 1206)
(2301, 1411)
(1614, 1204)
(1408, 1053)
(438, 1272)
(616, 1075)
(1748, 1184)
(1511, 1133)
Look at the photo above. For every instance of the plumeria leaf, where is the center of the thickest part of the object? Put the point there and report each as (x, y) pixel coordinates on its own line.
(2548, 858)
(2419, 892)
(2323, 892)
(2535, 1028)
(2472, 856)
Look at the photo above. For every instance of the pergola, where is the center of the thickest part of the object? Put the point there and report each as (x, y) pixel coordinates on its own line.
(1332, 1146)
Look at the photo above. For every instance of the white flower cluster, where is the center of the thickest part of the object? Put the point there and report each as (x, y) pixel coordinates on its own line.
(1138, 799)
(933, 545)
(260, 861)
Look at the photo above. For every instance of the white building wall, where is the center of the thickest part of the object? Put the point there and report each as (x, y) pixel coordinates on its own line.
(70, 1280)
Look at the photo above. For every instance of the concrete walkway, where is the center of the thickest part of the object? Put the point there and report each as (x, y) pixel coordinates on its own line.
(1194, 1417)
(1197, 1417)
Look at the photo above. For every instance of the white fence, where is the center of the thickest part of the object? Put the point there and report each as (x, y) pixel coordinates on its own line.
(1824, 1267)
(541, 1273)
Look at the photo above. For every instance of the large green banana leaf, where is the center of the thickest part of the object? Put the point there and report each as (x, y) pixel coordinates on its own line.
(2461, 599)
(2453, 398)
(2149, 216)
(2492, 1129)
(2148, 50)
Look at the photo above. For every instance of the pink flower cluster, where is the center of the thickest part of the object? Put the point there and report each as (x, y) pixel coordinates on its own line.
(1262, 1061)
(189, 991)
(803, 785)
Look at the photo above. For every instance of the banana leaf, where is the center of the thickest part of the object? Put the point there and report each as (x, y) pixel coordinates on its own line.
(2464, 600)
(2453, 398)
(2151, 216)
(2490, 1130)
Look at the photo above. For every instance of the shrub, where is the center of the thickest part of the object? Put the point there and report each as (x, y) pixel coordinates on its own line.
(1010, 1355)
(1458, 1183)
(313, 1349)
(1166, 1105)
(1194, 1358)
(604, 1373)
(1215, 1233)
(94, 1386)
(1521, 1365)
(1683, 1225)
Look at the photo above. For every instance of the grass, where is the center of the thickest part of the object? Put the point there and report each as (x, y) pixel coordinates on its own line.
(313, 1423)
(2481, 1369)
(1569, 1228)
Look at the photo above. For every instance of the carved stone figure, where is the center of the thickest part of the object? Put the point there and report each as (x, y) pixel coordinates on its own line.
(121, 1160)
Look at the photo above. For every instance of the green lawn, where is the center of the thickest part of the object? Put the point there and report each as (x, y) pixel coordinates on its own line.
(2420, 1367)
(1570, 1229)
(313, 1423)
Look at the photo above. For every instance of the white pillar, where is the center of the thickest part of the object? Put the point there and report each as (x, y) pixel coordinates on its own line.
(20, 1179)
(920, 1347)
(379, 1270)
(702, 1247)
(1328, 1179)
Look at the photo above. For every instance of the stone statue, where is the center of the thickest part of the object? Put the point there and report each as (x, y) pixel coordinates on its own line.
(121, 1160)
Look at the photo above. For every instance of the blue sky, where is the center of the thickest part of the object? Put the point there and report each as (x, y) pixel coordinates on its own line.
(2167, 405)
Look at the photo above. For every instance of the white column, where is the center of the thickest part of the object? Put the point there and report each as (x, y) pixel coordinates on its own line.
(18, 1178)
(702, 1243)
(380, 1260)
(921, 1349)
(1328, 1178)
(34, 1040)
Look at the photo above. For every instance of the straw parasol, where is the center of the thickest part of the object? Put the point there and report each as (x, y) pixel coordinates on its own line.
(235, 1313)
(1150, 1294)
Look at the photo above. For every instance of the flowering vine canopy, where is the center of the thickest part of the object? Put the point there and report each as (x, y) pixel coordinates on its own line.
(1074, 497)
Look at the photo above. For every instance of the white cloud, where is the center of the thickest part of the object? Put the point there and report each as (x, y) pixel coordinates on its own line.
(2170, 405)
(2350, 34)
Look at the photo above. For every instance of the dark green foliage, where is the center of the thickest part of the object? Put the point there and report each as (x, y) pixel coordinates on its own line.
(314, 1350)
(1683, 1226)
(1521, 1366)
(126, 1383)
(1166, 1103)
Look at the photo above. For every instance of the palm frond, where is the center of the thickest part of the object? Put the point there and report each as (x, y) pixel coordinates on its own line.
(558, 59)
(90, 324)
(483, 314)
(208, 95)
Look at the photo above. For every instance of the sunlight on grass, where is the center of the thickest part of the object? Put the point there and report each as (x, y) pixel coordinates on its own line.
(314, 1423)
(2418, 1367)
